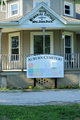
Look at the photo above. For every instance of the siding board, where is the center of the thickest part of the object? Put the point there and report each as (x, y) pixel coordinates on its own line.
(27, 6)
(4, 43)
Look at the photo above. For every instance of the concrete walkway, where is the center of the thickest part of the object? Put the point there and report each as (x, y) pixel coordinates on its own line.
(47, 97)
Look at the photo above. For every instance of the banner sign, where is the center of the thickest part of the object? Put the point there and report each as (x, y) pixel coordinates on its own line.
(45, 66)
(42, 17)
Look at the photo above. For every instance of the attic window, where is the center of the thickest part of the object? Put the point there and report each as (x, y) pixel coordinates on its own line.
(37, 2)
(68, 9)
(14, 9)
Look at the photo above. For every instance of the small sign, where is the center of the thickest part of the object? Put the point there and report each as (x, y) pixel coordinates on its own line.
(45, 66)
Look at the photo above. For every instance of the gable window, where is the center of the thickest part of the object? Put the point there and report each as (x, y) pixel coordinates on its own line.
(68, 9)
(14, 46)
(14, 9)
(37, 2)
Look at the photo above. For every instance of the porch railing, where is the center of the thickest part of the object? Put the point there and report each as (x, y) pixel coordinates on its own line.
(18, 61)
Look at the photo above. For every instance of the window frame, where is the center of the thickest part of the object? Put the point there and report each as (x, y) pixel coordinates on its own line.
(34, 1)
(16, 3)
(41, 33)
(71, 35)
(71, 8)
(10, 36)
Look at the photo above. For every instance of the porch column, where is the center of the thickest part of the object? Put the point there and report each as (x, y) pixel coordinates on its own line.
(0, 50)
(43, 40)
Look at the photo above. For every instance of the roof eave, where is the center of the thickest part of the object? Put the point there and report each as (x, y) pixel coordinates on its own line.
(73, 23)
(8, 23)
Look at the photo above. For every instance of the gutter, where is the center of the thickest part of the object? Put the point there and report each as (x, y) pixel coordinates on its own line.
(9, 23)
(73, 23)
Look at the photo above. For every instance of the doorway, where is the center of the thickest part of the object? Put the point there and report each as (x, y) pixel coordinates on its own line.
(38, 44)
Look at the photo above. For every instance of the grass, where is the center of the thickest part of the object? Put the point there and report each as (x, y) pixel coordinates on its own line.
(40, 112)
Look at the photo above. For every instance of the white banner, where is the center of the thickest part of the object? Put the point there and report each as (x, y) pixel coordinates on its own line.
(45, 66)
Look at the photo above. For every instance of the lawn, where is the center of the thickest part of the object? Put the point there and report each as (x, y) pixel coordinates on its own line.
(70, 112)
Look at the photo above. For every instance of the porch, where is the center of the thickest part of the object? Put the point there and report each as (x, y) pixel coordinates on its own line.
(17, 62)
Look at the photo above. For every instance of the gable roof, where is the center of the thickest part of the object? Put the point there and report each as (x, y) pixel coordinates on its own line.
(43, 5)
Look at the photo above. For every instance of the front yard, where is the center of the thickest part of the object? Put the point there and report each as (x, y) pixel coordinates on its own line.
(54, 112)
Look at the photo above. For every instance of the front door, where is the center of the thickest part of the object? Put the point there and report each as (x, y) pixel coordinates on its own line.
(38, 44)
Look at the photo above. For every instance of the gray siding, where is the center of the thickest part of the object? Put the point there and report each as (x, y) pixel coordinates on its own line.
(27, 6)
(4, 43)
(56, 5)
(57, 41)
(26, 42)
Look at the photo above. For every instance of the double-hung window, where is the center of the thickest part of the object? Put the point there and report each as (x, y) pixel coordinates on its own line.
(36, 2)
(14, 49)
(68, 9)
(14, 9)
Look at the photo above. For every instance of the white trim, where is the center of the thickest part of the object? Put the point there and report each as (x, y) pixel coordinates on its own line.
(15, 3)
(12, 35)
(41, 33)
(34, 1)
(71, 8)
(2, 6)
(72, 41)
(21, 7)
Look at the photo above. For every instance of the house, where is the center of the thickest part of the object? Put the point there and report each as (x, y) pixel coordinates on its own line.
(23, 23)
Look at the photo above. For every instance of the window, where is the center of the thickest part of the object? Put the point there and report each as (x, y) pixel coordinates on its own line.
(68, 45)
(36, 43)
(68, 9)
(36, 2)
(14, 9)
(15, 48)
(14, 44)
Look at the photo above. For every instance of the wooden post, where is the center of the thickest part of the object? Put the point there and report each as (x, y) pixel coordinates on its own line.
(43, 40)
(55, 82)
(34, 82)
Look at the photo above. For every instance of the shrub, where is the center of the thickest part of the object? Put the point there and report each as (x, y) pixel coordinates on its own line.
(62, 87)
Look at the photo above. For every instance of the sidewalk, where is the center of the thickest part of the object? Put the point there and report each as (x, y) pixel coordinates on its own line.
(45, 97)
